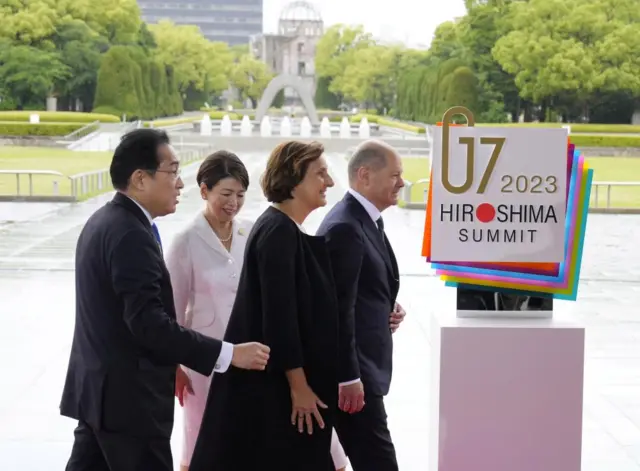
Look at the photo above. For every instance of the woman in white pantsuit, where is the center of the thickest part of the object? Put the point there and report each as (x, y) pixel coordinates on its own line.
(205, 261)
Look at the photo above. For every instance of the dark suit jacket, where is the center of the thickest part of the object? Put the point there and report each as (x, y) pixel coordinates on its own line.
(286, 299)
(367, 280)
(126, 343)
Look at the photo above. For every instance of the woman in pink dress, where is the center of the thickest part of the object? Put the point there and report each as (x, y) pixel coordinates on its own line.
(205, 262)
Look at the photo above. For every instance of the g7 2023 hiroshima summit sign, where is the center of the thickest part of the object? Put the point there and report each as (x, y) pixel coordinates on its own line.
(498, 193)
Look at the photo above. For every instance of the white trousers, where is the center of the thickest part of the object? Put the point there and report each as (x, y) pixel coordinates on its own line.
(194, 405)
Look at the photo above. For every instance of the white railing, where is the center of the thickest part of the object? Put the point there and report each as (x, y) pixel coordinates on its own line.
(97, 181)
(83, 131)
(38, 174)
(403, 151)
(127, 127)
(75, 187)
(597, 190)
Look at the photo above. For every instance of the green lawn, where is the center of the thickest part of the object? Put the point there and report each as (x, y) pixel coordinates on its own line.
(606, 169)
(42, 158)
(414, 169)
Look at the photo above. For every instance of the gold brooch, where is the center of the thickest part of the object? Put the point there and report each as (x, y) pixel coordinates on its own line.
(241, 231)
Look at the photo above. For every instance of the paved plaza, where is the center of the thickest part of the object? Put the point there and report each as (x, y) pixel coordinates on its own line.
(37, 316)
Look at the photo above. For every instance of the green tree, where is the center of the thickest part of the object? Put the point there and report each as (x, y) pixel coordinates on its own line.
(335, 52)
(158, 80)
(462, 89)
(197, 63)
(572, 48)
(498, 94)
(30, 75)
(28, 23)
(117, 20)
(324, 99)
(367, 79)
(66, 48)
(118, 84)
(250, 77)
(446, 41)
(80, 50)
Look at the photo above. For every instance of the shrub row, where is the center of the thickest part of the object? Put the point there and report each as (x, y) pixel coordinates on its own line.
(605, 128)
(576, 129)
(586, 128)
(214, 115)
(605, 141)
(18, 129)
(218, 115)
(12, 129)
(58, 117)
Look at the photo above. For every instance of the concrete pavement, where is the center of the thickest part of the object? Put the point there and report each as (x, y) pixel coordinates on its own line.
(37, 314)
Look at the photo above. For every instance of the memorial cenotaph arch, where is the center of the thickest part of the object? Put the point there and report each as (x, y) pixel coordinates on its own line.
(296, 83)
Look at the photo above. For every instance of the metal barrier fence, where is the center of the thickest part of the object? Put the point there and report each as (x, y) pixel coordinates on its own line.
(56, 179)
(50, 185)
(423, 152)
(82, 132)
(95, 182)
(629, 201)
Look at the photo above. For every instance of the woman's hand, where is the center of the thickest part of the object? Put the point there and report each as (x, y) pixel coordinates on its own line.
(183, 385)
(304, 408)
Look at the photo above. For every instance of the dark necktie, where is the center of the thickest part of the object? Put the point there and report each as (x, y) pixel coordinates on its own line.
(156, 233)
(380, 224)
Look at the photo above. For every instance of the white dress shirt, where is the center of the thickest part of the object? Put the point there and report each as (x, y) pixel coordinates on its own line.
(226, 352)
(373, 212)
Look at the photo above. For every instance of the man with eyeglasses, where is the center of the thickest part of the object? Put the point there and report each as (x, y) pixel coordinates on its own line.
(126, 345)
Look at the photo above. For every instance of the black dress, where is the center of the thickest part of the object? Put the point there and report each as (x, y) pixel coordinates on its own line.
(286, 299)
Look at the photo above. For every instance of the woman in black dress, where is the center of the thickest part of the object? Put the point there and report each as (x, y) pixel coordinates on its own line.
(281, 418)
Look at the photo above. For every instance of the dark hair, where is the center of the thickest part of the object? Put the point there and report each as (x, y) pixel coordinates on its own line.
(286, 168)
(369, 154)
(138, 150)
(220, 165)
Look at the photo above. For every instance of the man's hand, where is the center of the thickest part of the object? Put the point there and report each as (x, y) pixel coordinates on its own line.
(250, 356)
(396, 317)
(351, 398)
(183, 385)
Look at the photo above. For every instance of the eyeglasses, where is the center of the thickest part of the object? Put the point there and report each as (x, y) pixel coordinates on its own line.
(176, 173)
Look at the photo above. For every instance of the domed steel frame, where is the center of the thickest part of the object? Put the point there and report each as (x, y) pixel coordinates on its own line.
(301, 11)
(298, 14)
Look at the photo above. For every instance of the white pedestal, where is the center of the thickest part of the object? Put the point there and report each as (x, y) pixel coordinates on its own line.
(506, 394)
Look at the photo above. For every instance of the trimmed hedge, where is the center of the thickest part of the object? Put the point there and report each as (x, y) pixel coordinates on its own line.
(214, 115)
(576, 128)
(12, 129)
(58, 117)
(219, 114)
(375, 119)
(233, 116)
(401, 125)
(605, 141)
(169, 122)
(605, 128)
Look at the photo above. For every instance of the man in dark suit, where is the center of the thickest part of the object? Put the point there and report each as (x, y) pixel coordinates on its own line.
(367, 280)
(127, 343)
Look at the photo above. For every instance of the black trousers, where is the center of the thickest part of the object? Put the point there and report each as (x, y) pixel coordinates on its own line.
(365, 437)
(97, 450)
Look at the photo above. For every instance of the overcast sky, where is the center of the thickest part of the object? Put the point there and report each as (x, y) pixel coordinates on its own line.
(409, 21)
